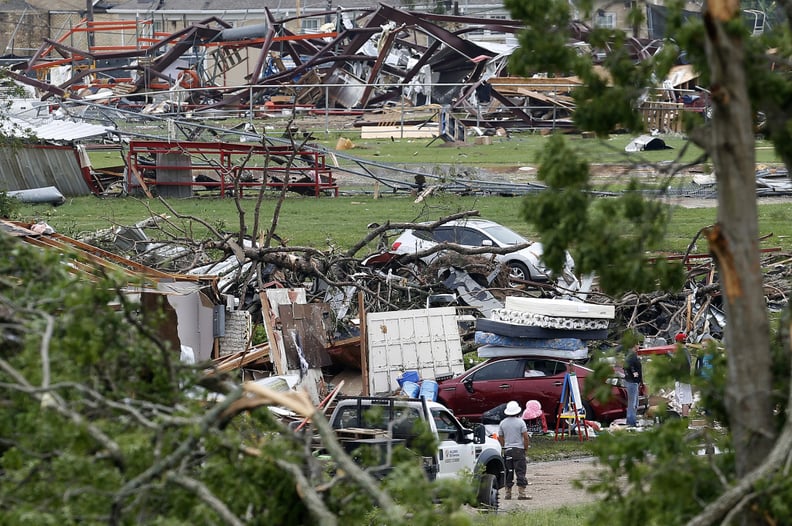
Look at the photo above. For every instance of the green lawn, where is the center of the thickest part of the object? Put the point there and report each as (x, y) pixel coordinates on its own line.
(562, 516)
(339, 222)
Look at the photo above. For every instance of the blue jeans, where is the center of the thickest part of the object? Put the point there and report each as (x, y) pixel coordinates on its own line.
(632, 402)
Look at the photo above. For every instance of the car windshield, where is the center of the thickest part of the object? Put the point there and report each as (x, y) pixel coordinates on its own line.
(504, 235)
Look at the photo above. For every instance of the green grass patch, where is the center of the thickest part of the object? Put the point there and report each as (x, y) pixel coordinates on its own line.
(561, 516)
(340, 222)
(525, 148)
(545, 448)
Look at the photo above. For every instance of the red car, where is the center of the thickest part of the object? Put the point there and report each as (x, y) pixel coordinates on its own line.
(498, 380)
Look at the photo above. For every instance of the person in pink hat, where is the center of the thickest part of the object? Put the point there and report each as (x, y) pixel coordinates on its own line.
(534, 417)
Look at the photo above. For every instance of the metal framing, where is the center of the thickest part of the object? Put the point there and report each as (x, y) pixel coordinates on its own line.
(236, 166)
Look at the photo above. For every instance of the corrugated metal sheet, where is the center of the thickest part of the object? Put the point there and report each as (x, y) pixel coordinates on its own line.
(53, 130)
(35, 166)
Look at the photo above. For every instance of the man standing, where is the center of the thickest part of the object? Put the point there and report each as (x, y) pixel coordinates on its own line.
(514, 439)
(682, 390)
(633, 377)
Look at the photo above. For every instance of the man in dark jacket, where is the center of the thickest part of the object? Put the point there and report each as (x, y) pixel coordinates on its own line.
(633, 377)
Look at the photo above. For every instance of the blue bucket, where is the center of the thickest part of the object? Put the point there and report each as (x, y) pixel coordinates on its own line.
(411, 389)
(429, 390)
(408, 376)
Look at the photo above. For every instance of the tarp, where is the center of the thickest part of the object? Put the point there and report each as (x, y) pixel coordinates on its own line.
(646, 142)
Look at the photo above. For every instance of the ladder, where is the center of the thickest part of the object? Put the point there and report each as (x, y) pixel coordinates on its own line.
(570, 410)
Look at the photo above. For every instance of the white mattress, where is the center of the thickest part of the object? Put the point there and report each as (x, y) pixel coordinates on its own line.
(560, 308)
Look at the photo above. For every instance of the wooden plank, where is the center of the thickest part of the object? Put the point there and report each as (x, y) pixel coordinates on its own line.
(241, 359)
(397, 132)
(304, 332)
(140, 181)
(269, 325)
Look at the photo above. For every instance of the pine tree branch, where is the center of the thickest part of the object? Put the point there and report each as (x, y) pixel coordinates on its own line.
(309, 495)
(207, 496)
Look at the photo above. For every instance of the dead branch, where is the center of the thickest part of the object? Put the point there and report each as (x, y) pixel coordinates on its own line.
(388, 226)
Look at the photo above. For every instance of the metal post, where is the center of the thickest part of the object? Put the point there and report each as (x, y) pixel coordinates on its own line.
(250, 105)
(401, 98)
(89, 17)
(327, 110)
(555, 108)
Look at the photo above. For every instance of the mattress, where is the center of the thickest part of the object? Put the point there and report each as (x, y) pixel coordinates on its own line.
(519, 330)
(563, 344)
(548, 322)
(559, 308)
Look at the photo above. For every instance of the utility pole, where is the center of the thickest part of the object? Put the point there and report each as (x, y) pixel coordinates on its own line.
(89, 18)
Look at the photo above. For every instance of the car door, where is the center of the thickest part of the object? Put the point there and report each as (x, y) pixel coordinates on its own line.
(454, 452)
(492, 384)
(542, 379)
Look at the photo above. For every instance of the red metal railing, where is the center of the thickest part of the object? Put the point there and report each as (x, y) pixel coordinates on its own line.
(229, 166)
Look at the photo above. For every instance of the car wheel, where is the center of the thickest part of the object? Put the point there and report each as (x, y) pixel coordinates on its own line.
(488, 491)
(518, 273)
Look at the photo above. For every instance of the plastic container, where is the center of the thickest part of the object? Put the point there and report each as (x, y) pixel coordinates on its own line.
(411, 389)
(408, 376)
(429, 390)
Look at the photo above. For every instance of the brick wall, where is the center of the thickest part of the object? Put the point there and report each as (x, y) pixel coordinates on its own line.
(21, 33)
(238, 331)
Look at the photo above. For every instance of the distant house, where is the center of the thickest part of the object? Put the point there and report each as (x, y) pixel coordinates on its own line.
(22, 28)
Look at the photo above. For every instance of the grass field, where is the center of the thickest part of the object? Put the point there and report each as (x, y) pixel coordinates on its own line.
(340, 222)
(515, 150)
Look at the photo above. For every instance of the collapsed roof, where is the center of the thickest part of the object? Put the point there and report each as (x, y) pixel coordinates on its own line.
(385, 56)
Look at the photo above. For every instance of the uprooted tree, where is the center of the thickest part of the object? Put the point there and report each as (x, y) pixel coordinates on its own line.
(745, 75)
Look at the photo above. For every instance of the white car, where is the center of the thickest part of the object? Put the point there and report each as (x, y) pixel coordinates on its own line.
(524, 264)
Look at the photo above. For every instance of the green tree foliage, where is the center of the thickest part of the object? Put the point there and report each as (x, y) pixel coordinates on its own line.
(747, 77)
(613, 237)
(100, 423)
(9, 206)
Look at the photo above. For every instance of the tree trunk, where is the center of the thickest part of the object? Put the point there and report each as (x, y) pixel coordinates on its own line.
(735, 244)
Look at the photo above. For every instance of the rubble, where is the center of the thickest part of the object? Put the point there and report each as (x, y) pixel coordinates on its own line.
(316, 333)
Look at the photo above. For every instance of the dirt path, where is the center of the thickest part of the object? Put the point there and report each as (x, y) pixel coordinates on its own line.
(550, 485)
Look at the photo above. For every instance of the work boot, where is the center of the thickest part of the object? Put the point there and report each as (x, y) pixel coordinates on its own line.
(508, 494)
(521, 495)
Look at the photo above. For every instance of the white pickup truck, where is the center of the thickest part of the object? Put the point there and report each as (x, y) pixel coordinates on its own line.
(460, 450)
